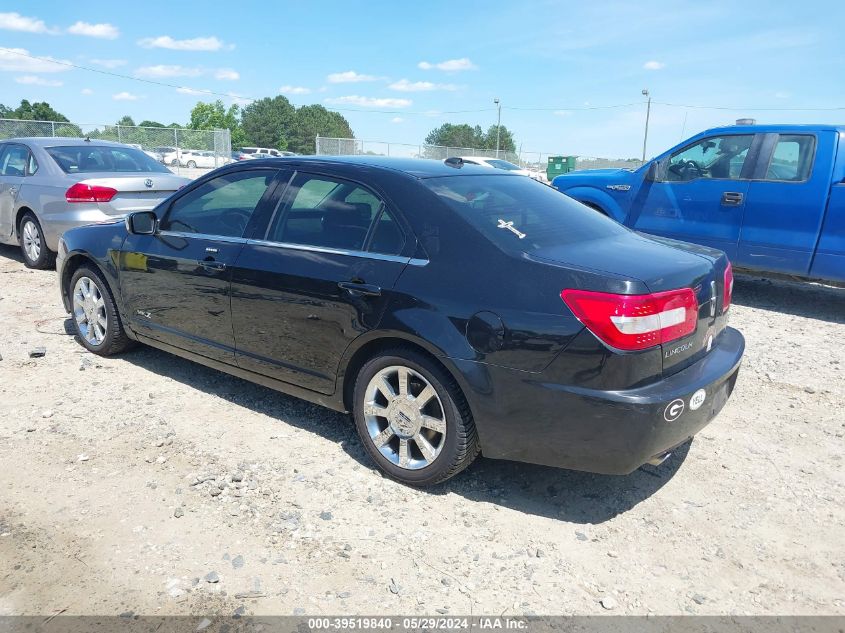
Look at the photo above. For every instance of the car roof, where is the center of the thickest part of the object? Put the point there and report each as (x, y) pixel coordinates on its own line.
(415, 167)
(775, 128)
(51, 141)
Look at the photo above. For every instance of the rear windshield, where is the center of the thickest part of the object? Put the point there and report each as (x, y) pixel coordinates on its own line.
(502, 164)
(520, 214)
(79, 159)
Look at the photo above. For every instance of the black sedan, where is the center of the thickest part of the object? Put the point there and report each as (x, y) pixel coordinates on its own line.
(452, 310)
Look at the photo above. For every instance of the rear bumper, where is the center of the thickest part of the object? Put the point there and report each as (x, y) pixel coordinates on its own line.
(55, 225)
(520, 417)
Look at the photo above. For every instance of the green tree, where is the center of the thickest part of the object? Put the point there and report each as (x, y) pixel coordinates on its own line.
(211, 116)
(465, 136)
(313, 120)
(506, 142)
(38, 111)
(269, 122)
(126, 120)
(148, 123)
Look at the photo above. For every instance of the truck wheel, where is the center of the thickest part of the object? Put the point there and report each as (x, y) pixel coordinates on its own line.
(33, 245)
(413, 418)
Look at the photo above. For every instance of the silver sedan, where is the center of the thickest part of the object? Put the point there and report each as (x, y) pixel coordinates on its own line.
(49, 185)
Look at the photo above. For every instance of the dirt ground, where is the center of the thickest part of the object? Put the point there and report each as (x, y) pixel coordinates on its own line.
(148, 484)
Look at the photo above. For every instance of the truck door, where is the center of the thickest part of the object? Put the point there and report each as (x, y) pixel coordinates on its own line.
(786, 202)
(700, 193)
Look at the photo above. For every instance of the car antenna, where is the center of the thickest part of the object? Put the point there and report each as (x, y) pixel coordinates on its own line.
(87, 139)
(455, 161)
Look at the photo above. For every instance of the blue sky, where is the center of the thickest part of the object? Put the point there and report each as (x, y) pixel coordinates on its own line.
(398, 69)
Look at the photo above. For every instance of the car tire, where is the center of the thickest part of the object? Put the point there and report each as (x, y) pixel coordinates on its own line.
(96, 321)
(438, 435)
(33, 245)
(191, 165)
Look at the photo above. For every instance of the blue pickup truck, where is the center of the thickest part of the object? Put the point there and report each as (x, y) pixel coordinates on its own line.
(771, 196)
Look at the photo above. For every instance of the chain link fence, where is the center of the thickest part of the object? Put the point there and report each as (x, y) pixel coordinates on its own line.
(532, 161)
(184, 151)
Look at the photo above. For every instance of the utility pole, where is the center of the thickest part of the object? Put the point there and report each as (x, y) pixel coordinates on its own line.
(647, 115)
(498, 123)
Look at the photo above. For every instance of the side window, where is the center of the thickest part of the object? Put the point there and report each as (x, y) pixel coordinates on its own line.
(326, 212)
(32, 166)
(13, 161)
(388, 238)
(792, 159)
(222, 206)
(714, 157)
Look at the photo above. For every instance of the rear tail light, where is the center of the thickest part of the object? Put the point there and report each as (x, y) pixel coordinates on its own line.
(80, 192)
(635, 322)
(728, 288)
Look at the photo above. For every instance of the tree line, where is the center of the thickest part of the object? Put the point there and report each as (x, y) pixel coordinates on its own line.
(269, 122)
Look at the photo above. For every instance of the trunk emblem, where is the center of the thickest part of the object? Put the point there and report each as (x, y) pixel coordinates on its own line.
(148, 183)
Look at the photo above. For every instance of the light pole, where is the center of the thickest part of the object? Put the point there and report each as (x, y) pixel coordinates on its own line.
(498, 123)
(647, 114)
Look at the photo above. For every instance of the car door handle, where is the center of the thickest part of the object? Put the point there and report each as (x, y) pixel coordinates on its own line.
(732, 199)
(356, 287)
(212, 265)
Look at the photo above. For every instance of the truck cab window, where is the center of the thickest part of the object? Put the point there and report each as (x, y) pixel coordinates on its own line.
(792, 159)
(713, 157)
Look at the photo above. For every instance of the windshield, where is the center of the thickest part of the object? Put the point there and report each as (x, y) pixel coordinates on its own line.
(520, 214)
(502, 164)
(78, 159)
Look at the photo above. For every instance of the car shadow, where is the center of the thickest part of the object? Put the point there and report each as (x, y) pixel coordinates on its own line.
(11, 251)
(799, 298)
(566, 495)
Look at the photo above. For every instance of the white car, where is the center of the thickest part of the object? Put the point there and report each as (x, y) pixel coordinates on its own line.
(156, 156)
(198, 158)
(266, 152)
(498, 163)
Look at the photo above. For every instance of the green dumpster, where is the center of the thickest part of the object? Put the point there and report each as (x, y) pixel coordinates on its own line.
(559, 165)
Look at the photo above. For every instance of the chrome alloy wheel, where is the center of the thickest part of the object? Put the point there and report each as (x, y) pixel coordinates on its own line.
(89, 310)
(404, 417)
(31, 240)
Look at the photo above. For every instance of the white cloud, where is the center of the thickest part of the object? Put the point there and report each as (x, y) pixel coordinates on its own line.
(294, 90)
(124, 96)
(34, 80)
(21, 60)
(109, 63)
(18, 22)
(103, 31)
(349, 77)
(450, 65)
(654, 65)
(226, 74)
(87, 91)
(238, 99)
(165, 70)
(194, 44)
(371, 102)
(562, 113)
(191, 91)
(397, 119)
(403, 85)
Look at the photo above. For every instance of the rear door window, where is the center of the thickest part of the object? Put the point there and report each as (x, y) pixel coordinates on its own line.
(520, 214)
(327, 212)
(792, 159)
(13, 160)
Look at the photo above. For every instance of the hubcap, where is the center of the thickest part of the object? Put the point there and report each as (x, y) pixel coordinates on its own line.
(89, 310)
(404, 417)
(31, 240)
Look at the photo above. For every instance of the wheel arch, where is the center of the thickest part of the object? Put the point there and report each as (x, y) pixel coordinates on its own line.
(598, 200)
(22, 211)
(73, 262)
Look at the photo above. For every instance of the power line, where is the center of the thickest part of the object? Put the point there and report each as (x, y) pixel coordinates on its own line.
(231, 95)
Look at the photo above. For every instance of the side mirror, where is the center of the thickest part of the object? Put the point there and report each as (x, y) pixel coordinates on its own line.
(142, 223)
(652, 173)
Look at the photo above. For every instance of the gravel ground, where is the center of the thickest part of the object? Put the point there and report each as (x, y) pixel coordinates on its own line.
(148, 484)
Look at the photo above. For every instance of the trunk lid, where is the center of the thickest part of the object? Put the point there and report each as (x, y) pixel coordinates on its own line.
(136, 191)
(661, 265)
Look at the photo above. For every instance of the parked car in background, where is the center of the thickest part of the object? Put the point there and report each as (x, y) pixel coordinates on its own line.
(565, 339)
(49, 185)
(498, 163)
(170, 155)
(238, 155)
(192, 158)
(771, 196)
(267, 152)
(156, 156)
